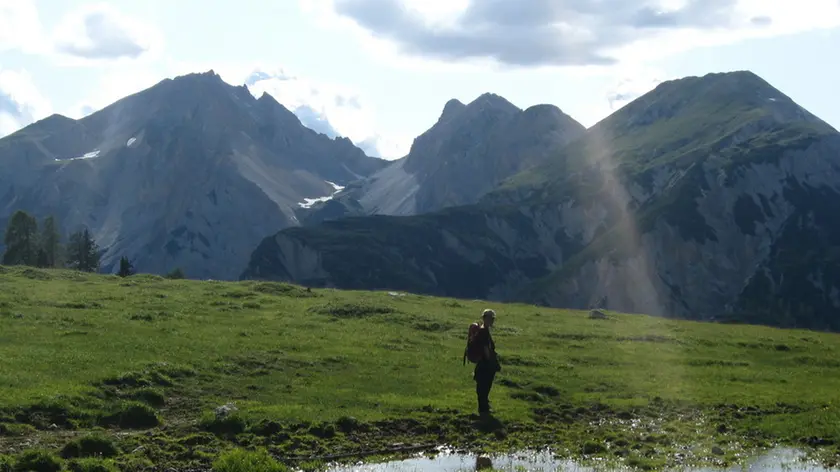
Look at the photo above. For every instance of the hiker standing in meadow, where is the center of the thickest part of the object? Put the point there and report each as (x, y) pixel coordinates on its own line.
(481, 350)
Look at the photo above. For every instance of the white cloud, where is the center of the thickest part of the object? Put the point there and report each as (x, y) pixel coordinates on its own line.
(91, 33)
(99, 32)
(567, 33)
(116, 83)
(751, 19)
(387, 147)
(437, 12)
(20, 101)
(20, 26)
(325, 17)
(632, 83)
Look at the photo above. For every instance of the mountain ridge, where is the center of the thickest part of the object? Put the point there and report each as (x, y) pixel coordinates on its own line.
(670, 206)
(191, 172)
(460, 158)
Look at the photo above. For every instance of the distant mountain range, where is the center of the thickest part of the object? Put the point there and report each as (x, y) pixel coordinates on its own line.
(190, 173)
(193, 172)
(707, 198)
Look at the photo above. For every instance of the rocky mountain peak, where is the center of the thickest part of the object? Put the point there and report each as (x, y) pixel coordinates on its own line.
(274, 112)
(267, 98)
(209, 75)
(452, 108)
(51, 124)
(267, 101)
(56, 119)
(198, 152)
(490, 101)
(545, 112)
(464, 155)
(485, 104)
(717, 95)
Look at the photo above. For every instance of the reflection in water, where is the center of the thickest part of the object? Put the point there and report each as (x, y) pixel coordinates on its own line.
(778, 460)
(482, 463)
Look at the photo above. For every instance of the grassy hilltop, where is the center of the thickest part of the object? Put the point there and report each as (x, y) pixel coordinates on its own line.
(138, 368)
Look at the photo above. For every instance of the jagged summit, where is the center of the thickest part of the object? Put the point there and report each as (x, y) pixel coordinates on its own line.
(187, 80)
(55, 118)
(492, 101)
(702, 109)
(56, 121)
(464, 155)
(678, 124)
(543, 109)
(451, 108)
(268, 98)
(208, 74)
(484, 103)
(720, 93)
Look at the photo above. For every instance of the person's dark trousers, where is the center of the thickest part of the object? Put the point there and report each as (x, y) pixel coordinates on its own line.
(485, 373)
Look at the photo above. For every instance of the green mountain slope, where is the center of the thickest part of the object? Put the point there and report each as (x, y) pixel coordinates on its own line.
(727, 118)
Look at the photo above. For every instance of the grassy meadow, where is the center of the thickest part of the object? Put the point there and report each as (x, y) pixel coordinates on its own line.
(132, 373)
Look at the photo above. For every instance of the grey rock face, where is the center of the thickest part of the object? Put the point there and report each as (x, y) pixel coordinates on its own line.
(466, 154)
(745, 211)
(537, 254)
(190, 173)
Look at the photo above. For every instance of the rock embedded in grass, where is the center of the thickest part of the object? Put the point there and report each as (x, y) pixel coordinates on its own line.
(598, 315)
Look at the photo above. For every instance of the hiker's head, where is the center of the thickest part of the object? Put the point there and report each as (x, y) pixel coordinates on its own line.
(488, 317)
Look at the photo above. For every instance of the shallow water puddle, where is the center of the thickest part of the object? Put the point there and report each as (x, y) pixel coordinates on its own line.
(778, 460)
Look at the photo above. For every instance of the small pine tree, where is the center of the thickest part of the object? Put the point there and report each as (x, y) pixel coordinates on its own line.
(51, 251)
(21, 240)
(175, 274)
(126, 267)
(42, 260)
(75, 251)
(82, 252)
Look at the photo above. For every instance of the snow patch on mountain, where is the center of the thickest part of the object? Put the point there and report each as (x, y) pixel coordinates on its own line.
(308, 202)
(90, 155)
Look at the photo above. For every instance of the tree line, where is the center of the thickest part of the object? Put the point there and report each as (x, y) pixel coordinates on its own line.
(28, 245)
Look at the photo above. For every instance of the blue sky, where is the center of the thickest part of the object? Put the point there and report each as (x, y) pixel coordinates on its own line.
(380, 71)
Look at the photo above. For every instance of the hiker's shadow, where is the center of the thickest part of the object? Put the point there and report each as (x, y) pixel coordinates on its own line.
(488, 424)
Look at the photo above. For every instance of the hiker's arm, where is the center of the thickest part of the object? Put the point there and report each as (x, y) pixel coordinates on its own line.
(484, 339)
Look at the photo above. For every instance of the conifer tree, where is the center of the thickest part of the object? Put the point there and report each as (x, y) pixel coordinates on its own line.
(21, 240)
(51, 251)
(126, 267)
(82, 252)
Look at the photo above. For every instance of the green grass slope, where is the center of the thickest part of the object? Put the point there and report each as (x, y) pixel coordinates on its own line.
(132, 370)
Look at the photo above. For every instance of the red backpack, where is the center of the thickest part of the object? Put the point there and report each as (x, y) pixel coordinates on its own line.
(473, 350)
